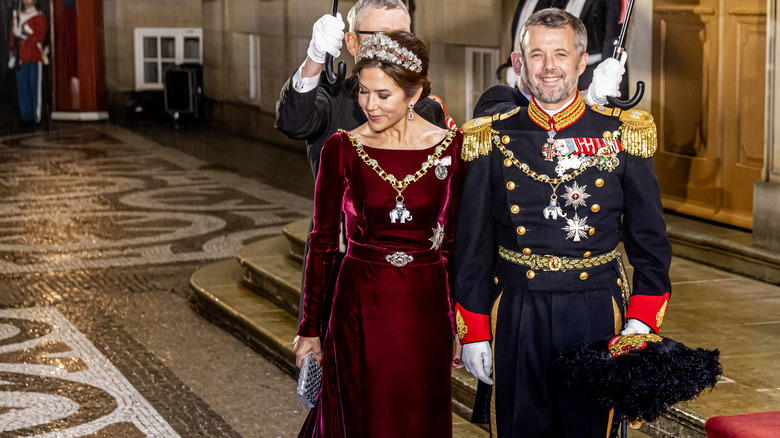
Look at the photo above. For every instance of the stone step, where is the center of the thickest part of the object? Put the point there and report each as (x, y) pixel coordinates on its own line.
(218, 294)
(722, 247)
(296, 232)
(270, 271)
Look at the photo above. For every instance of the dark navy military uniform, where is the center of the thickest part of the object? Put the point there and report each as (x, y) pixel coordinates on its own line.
(497, 99)
(538, 285)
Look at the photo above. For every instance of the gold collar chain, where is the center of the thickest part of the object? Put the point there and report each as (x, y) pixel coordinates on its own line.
(400, 184)
(511, 160)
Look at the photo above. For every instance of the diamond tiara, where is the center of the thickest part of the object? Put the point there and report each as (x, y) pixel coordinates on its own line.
(381, 46)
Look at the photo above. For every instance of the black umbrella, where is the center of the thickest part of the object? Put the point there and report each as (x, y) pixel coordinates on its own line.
(333, 78)
(620, 44)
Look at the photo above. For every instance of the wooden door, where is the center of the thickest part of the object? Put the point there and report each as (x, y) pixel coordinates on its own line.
(708, 99)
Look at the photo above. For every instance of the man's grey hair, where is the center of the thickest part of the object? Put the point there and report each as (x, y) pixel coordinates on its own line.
(356, 13)
(554, 18)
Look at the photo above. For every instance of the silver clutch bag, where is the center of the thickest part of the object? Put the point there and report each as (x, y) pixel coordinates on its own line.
(309, 381)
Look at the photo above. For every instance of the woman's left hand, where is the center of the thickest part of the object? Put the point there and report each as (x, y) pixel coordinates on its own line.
(303, 346)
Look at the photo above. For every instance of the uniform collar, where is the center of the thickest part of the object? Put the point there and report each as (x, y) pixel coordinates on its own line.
(563, 119)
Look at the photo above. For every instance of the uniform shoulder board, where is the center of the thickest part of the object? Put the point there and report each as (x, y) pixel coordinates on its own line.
(478, 135)
(638, 134)
(509, 114)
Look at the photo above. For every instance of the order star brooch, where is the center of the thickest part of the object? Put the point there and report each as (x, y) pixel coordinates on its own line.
(438, 236)
(576, 228)
(575, 196)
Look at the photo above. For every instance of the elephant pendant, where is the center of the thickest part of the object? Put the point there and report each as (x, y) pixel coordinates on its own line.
(552, 211)
(400, 213)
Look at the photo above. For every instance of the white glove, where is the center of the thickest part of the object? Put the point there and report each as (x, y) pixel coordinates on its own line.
(17, 30)
(511, 77)
(635, 327)
(606, 80)
(11, 61)
(326, 37)
(478, 360)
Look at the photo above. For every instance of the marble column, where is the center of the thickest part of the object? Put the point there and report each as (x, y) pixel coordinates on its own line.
(766, 192)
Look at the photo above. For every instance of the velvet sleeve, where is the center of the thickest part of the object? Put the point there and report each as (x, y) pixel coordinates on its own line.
(456, 189)
(323, 239)
(647, 244)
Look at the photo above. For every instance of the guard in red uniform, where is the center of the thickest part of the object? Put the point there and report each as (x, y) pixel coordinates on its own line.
(28, 31)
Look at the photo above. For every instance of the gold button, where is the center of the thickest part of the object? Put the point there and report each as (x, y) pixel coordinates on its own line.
(526, 251)
(595, 208)
(530, 274)
(620, 282)
(583, 276)
(510, 185)
(505, 139)
(587, 254)
(515, 209)
(521, 230)
(599, 182)
(591, 231)
(607, 134)
(508, 162)
(495, 280)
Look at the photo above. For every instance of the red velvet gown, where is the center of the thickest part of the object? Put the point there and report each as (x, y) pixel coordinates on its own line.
(387, 353)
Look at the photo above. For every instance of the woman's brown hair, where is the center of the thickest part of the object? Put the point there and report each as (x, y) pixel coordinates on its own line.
(408, 80)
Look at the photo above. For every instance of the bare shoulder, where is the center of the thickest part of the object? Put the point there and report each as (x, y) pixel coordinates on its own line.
(430, 134)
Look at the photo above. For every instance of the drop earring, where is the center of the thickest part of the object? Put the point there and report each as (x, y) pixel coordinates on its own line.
(411, 113)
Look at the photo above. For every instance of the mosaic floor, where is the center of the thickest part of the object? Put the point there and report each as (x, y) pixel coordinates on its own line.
(92, 219)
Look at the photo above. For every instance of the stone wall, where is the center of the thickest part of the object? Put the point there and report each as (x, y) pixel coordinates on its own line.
(121, 17)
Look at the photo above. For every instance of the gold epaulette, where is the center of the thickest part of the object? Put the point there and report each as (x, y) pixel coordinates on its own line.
(478, 135)
(638, 135)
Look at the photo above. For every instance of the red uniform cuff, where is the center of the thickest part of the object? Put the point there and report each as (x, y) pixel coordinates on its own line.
(472, 327)
(649, 309)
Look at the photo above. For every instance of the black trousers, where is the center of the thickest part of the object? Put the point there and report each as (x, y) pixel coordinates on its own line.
(533, 321)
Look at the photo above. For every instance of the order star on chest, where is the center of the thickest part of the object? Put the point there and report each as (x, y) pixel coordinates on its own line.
(438, 236)
(576, 228)
(575, 196)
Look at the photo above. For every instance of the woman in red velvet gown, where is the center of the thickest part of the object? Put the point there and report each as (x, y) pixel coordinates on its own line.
(387, 354)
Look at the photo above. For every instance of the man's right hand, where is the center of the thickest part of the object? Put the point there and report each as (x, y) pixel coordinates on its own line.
(326, 37)
(478, 360)
(11, 61)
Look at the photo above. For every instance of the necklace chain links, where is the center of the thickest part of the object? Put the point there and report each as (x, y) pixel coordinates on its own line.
(400, 184)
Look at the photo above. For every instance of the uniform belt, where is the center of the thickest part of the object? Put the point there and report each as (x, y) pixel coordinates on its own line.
(554, 263)
(378, 254)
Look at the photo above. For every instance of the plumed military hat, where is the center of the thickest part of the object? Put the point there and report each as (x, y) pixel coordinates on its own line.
(640, 376)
